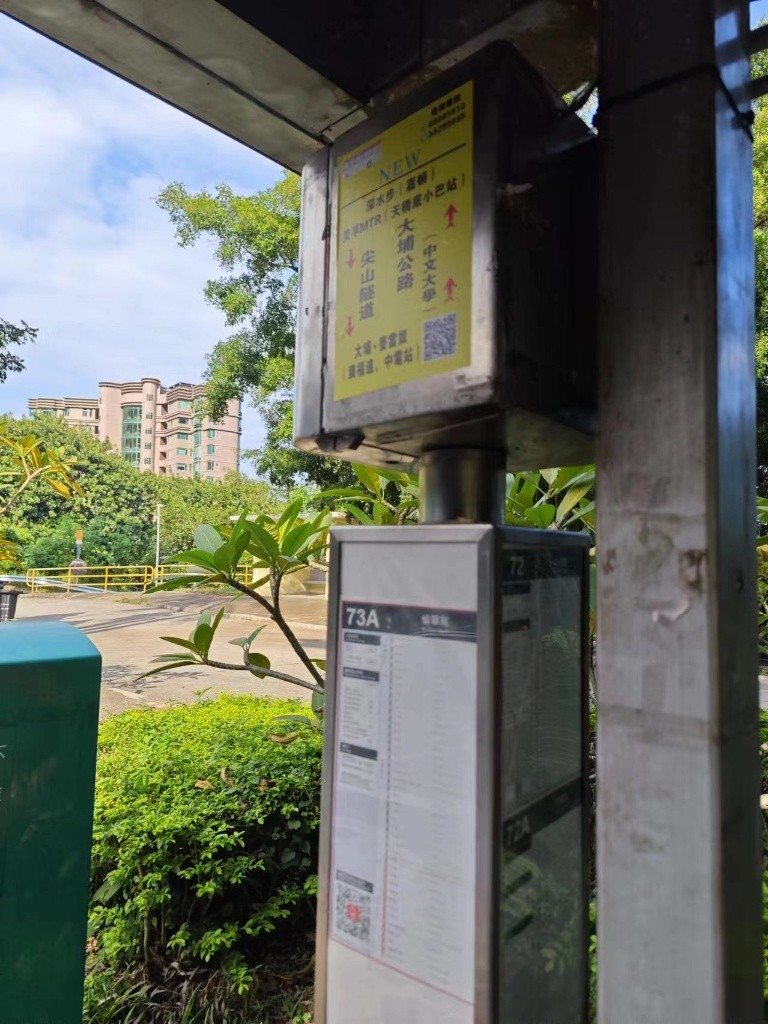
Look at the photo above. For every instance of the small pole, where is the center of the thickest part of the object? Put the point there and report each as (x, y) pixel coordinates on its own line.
(157, 540)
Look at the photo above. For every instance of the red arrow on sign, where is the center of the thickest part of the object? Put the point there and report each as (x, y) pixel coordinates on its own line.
(350, 326)
(450, 213)
(449, 286)
(351, 259)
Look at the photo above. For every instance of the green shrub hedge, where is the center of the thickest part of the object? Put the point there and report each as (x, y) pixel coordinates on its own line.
(204, 863)
(205, 843)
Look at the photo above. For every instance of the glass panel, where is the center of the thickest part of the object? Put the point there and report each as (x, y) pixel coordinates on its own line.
(542, 947)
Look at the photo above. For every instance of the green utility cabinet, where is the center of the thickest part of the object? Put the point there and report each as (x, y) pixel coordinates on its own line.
(50, 674)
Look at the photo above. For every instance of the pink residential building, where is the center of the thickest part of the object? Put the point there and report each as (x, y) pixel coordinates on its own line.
(157, 429)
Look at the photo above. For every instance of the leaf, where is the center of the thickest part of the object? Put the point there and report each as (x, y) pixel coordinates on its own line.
(208, 539)
(164, 668)
(283, 740)
(571, 499)
(263, 543)
(259, 660)
(109, 888)
(246, 641)
(60, 488)
(189, 644)
(358, 514)
(203, 637)
(203, 784)
(318, 702)
(195, 556)
(290, 515)
(218, 618)
(303, 719)
(226, 778)
(550, 475)
(186, 580)
(540, 515)
(368, 477)
(191, 658)
(296, 538)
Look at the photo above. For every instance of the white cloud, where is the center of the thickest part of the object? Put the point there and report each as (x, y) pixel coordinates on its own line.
(88, 257)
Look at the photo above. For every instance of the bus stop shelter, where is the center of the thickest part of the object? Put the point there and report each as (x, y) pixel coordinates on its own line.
(679, 892)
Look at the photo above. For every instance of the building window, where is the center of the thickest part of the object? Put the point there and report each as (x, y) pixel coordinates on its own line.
(147, 462)
(150, 398)
(87, 412)
(211, 449)
(148, 444)
(149, 416)
(183, 419)
(66, 412)
(209, 465)
(182, 436)
(130, 441)
(181, 467)
(148, 430)
(181, 451)
(209, 479)
(184, 404)
(211, 433)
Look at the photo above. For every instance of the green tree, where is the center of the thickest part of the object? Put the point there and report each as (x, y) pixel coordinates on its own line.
(187, 503)
(104, 544)
(11, 335)
(116, 504)
(257, 248)
(111, 489)
(27, 462)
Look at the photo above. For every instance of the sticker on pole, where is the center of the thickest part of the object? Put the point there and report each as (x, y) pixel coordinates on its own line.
(404, 258)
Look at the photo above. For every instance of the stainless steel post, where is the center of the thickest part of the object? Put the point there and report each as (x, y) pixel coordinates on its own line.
(679, 898)
(462, 485)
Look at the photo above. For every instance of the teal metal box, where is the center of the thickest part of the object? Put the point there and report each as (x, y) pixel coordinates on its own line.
(50, 675)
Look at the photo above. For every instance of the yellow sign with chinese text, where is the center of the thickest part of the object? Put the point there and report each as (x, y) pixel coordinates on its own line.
(404, 261)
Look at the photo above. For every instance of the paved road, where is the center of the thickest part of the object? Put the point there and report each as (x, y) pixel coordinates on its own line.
(127, 631)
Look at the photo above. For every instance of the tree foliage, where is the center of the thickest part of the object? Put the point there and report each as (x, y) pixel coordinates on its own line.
(110, 488)
(257, 248)
(116, 503)
(27, 462)
(11, 335)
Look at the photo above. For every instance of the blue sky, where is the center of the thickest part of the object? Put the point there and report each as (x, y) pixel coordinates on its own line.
(88, 258)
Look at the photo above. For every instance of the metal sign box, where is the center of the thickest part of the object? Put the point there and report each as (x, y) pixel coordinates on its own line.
(448, 275)
(453, 844)
(50, 677)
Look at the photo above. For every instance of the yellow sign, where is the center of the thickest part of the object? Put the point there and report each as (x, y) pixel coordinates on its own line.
(404, 264)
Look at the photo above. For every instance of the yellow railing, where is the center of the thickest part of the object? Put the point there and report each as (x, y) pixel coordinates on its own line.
(119, 577)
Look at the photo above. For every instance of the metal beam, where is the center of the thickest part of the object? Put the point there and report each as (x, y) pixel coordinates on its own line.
(204, 60)
(679, 897)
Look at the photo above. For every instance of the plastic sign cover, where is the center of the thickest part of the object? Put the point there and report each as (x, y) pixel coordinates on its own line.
(404, 250)
(401, 929)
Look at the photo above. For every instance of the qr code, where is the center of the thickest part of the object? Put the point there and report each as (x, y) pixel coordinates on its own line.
(353, 912)
(440, 337)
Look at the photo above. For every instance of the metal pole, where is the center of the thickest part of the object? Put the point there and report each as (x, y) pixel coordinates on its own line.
(679, 896)
(157, 540)
(462, 485)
